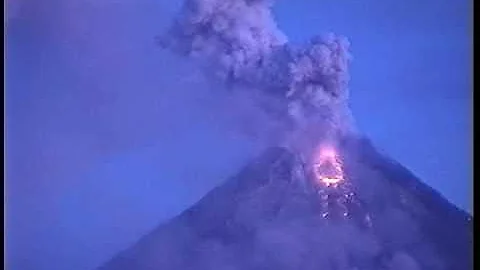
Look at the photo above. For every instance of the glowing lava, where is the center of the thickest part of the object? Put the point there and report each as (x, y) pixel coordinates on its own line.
(327, 166)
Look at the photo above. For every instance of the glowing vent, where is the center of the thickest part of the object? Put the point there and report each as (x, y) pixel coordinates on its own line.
(327, 166)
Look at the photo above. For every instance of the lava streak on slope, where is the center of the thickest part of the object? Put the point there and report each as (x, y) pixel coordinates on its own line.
(336, 195)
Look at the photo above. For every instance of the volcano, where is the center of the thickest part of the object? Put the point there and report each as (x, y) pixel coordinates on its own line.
(326, 199)
(275, 214)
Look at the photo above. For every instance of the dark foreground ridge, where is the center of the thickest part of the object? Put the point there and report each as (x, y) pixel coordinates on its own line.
(272, 216)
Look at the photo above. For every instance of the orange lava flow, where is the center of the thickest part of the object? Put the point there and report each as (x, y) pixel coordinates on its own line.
(327, 166)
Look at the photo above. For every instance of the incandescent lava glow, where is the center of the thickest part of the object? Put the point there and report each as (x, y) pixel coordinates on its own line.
(327, 166)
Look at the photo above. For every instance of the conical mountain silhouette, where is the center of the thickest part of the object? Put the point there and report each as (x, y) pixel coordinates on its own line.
(274, 215)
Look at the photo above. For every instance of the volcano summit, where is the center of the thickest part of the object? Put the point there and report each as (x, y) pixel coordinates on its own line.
(320, 197)
(274, 214)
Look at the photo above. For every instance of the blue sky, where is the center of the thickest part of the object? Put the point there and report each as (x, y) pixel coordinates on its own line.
(105, 138)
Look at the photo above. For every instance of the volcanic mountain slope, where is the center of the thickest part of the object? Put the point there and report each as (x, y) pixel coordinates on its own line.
(276, 215)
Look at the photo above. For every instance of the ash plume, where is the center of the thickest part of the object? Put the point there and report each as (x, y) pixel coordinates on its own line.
(303, 89)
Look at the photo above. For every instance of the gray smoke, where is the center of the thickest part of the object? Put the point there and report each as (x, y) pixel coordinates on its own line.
(301, 90)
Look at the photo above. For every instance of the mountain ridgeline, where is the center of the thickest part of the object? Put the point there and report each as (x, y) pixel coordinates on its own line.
(274, 215)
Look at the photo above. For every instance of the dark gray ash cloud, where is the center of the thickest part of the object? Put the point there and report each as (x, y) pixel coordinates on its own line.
(303, 89)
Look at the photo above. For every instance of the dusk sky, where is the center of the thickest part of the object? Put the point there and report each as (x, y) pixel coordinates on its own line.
(107, 136)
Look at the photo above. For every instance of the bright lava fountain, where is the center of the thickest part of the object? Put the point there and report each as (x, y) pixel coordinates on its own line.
(327, 167)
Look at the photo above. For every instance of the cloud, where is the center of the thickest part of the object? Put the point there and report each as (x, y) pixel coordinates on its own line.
(302, 89)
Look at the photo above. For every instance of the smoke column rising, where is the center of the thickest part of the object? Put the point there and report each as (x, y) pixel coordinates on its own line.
(237, 42)
(83, 89)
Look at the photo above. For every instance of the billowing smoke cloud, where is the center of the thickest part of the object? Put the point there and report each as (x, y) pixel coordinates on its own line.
(237, 43)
